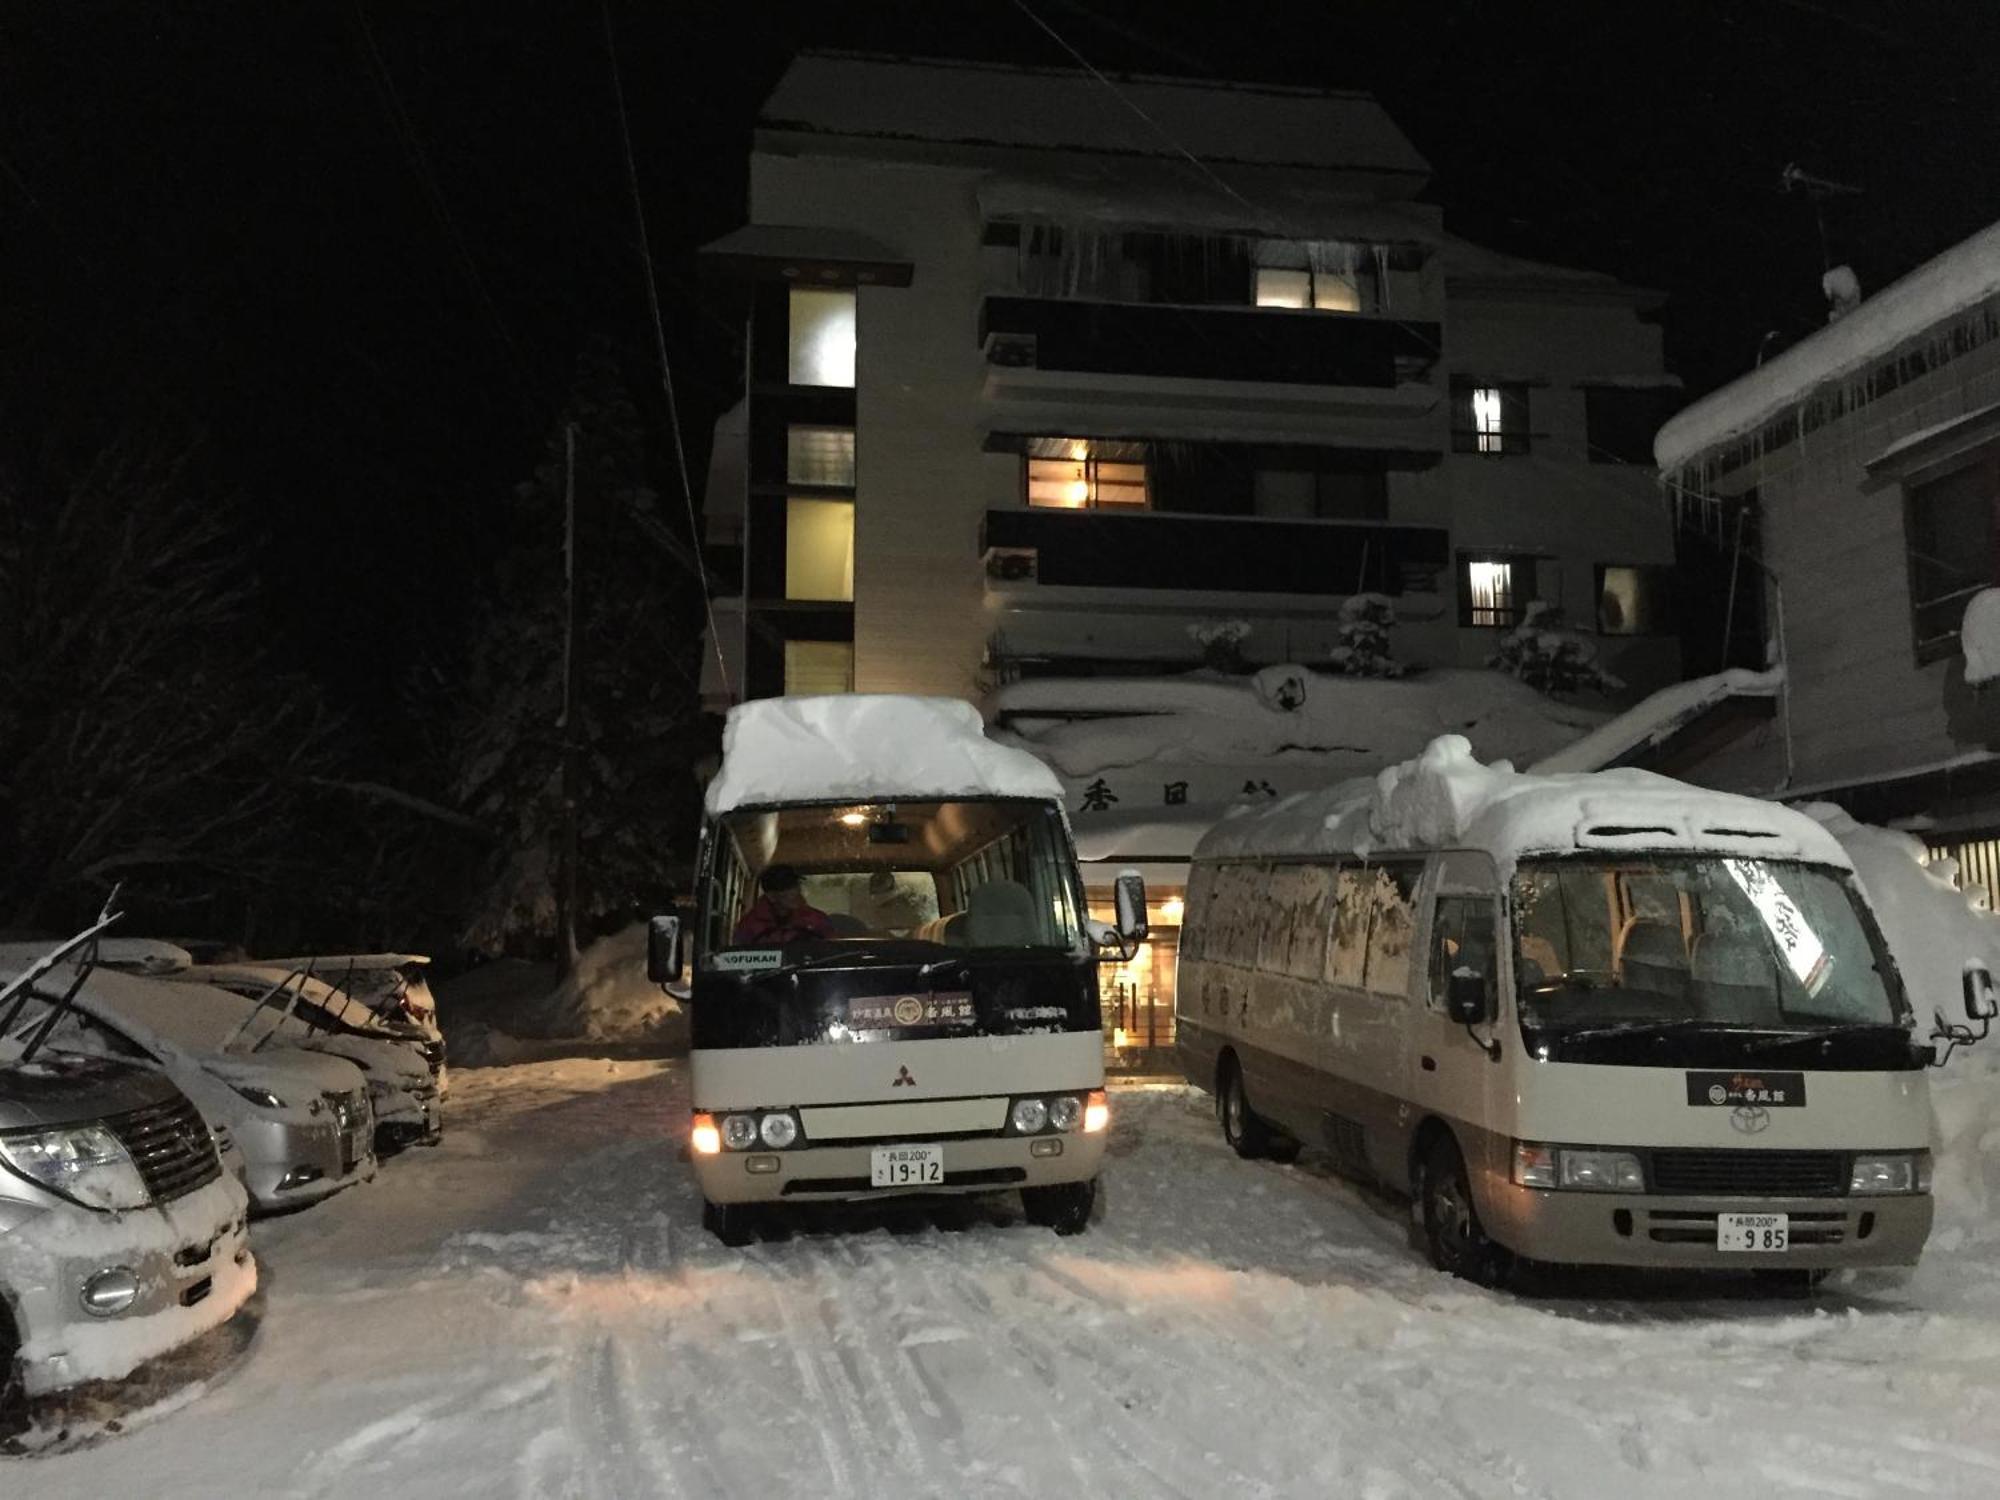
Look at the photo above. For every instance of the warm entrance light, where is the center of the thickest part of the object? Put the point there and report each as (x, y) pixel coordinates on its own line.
(854, 820)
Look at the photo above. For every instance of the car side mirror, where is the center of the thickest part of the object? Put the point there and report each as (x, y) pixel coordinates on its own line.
(1980, 1002)
(1128, 897)
(663, 949)
(1465, 997)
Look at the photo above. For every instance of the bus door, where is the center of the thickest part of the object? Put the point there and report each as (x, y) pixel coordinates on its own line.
(1452, 1072)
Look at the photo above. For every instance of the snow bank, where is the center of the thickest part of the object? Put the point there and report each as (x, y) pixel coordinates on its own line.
(504, 1012)
(1961, 278)
(1205, 718)
(1445, 797)
(607, 995)
(863, 747)
(1654, 719)
(1933, 928)
(1980, 636)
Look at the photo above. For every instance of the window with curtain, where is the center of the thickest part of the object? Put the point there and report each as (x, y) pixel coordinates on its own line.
(819, 549)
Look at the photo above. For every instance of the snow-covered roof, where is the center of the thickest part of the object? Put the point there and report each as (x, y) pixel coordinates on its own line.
(1446, 799)
(1652, 720)
(1154, 833)
(970, 103)
(1138, 197)
(1961, 278)
(865, 747)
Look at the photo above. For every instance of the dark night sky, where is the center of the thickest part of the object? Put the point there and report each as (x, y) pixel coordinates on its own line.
(369, 296)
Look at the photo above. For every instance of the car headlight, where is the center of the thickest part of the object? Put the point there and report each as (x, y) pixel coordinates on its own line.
(1891, 1172)
(779, 1131)
(1029, 1116)
(739, 1132)
(1577, 1168)
(262, 1098)
(85, 1163)
(1065, 1111)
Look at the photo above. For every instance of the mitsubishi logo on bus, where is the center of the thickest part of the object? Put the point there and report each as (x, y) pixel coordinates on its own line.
(903, 1077)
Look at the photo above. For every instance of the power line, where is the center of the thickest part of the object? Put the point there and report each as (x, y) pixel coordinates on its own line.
(660, 342)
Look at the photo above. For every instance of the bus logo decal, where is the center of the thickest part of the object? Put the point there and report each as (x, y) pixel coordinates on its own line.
(909, 1010)
(1750, 1119)
(903, 1077)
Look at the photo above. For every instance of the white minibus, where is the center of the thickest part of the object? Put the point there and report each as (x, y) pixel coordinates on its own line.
(1598, 1019)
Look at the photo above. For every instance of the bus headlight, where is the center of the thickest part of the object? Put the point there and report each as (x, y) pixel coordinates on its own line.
(1577, 1168)
(778, 1131)
(1065, 1112)
(1029, 1116)
(704, 1139)
(1891, 1172)
(739, 1132)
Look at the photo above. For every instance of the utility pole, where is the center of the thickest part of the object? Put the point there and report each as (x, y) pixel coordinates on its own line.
(566, 723)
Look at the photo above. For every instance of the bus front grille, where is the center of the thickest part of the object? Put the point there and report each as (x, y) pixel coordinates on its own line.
(1750, 1174)
(980, 1177)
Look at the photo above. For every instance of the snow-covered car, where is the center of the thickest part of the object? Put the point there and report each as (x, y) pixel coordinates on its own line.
(121, 1234)
(392, 985)
(293, 1009)
(301, 1119)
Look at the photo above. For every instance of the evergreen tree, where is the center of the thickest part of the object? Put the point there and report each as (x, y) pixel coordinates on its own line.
(1365, 622)
(1549, 656)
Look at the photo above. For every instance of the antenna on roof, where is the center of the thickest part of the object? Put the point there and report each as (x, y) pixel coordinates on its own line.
(1796, 179)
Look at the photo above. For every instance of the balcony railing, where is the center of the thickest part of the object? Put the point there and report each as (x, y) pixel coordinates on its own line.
(1210, 554)
(1206, 343)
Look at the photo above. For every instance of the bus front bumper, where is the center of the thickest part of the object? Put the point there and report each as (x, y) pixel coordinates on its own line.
(1617, 1229)
(805, 1174)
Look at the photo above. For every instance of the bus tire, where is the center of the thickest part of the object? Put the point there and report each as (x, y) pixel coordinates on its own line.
(13, 1404)
(1249, 1136)
(1787, 1282)
(728, 1222)
(1457, 1242)
(1064, 1207)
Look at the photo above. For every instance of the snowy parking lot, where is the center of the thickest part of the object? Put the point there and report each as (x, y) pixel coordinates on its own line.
(532, 1308)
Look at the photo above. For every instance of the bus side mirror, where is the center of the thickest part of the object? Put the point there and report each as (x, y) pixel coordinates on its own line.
(1980, 1002)
(1465, 997)
(663, 949)
(1128, 896)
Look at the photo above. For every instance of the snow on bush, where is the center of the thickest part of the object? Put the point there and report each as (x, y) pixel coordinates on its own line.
(1980, 636)
(1550, 657)
(1365, 622)
(1933, 928)
(1221, 643)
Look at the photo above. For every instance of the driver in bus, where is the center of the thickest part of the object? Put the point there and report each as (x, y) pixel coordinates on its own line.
(781, 914)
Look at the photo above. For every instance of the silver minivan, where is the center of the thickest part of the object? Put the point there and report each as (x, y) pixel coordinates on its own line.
(121, 1235)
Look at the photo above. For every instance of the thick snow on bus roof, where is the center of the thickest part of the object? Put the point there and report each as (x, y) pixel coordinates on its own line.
(866, 747)
(1445, 798)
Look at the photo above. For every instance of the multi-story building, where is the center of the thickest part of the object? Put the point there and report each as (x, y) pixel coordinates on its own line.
(1052, 376)
(1866, 461)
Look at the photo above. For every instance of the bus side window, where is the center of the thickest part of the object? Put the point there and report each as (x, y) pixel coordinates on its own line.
(1392, 927)
(1347, 953)
(1461, 939)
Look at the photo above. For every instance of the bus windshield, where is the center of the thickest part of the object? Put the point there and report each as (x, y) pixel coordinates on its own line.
(1699, 940)
(956, 876)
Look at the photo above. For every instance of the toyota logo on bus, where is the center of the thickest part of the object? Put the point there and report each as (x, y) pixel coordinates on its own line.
(1750, 1119)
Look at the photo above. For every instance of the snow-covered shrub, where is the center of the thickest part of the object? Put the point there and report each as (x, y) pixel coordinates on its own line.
(1547, 655)
(1365, 622)
(1282, 687)
(1221, 643)
(1979, 634)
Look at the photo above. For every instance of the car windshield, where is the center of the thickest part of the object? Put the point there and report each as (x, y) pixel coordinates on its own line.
(955, 875)
(1696, 940)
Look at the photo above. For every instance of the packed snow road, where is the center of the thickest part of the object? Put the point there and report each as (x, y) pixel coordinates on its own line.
(532, 1308)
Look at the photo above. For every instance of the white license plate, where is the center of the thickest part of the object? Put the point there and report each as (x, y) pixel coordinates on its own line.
(906, 1166)
(1756, 1233)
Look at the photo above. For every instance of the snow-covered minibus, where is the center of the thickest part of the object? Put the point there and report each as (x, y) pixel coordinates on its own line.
(1602, 1019)
(894, 985)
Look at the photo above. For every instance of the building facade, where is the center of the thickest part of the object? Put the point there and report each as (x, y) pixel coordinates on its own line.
(1866, 461)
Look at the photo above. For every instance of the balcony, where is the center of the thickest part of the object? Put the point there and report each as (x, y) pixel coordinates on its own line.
(1161, 553)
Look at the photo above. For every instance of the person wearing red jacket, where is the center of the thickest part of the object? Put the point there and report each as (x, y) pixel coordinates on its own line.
(781, 914)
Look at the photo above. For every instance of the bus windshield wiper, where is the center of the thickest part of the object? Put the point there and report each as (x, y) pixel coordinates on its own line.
(1645, 1028)
(1847, 1028)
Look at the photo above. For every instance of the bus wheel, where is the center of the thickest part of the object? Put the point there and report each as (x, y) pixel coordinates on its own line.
(1063, 1206)
(1777, 1282)
(1457, 1242)
(728, 1222)
(12, 1376)
(1250, 1136)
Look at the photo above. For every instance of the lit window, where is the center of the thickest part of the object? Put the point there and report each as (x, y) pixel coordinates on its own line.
(1072, 474)
(1635, 601)
(1489, 418)
(819, 455)
(1281, 288)
(819, 549)
(819, 667)
(822, 337)
(1486, 418)
(1490, 586)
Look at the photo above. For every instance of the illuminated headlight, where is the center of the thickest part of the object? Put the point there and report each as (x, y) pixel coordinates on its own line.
(1578, 1169)
(739, 1132)
(109, 1293)
(778, 1131)
(703, 1138)
(1897, 1172)
(1065, 1112)
(84, 1163)
(1029, 1116)
(1096, 1113)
